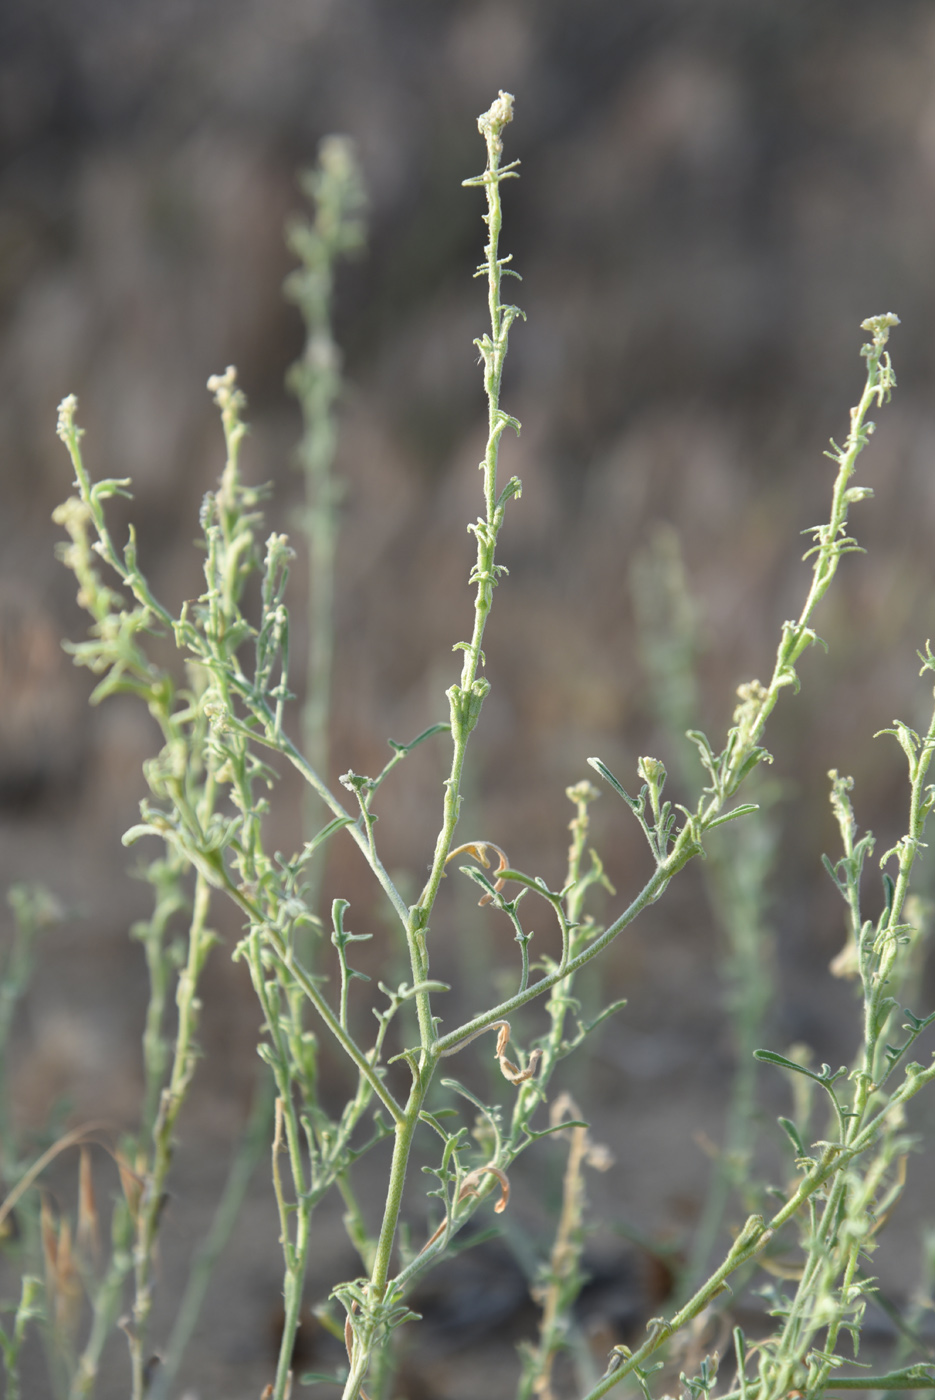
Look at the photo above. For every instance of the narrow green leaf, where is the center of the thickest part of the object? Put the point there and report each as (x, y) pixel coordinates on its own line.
(326, 831)
(131, 836)
(557, 1128)
(426, 734)
(603, 1015)
(825, 1078)
(404, 993)
(531, 882)
(466, 1094)
(432, 1120)
(792, 1133)
(743, 810)
(608, 777)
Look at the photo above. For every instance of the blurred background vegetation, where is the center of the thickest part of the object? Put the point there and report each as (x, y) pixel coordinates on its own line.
(712, 198)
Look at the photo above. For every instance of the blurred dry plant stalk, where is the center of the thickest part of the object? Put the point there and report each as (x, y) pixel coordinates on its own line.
(209, 795)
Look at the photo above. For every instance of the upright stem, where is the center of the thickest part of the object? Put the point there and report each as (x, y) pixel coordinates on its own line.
(33, 910)
(758, 701)
(335, 191)
(106, 1304)
(253, 1143)
(171, 1100)
(465, 701)
(466, 698)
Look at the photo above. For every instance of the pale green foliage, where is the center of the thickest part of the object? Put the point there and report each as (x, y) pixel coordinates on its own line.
(210, 790)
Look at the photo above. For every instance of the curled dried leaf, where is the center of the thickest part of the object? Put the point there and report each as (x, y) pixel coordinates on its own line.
(513, 1072)
(479, 849)
(507, 1068)
(471, 1182)
(469, 1187)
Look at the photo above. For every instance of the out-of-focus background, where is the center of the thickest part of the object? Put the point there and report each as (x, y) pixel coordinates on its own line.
(712, 198)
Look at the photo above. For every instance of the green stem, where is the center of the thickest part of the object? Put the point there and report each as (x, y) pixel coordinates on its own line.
(29, 1309)
(681, 853)
(171, 1100)
(736, 878)
(369, 1336)
(294, 1217)
(336, 193)
(295, 1237)
(281, 744)
(831, 544)
(344, 1039)
(106, 1305)
(34, 909)
(466, 698)
(752, 1239)
(255, 1139)
(920, 759)
(405, 1132)
(165, 877)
